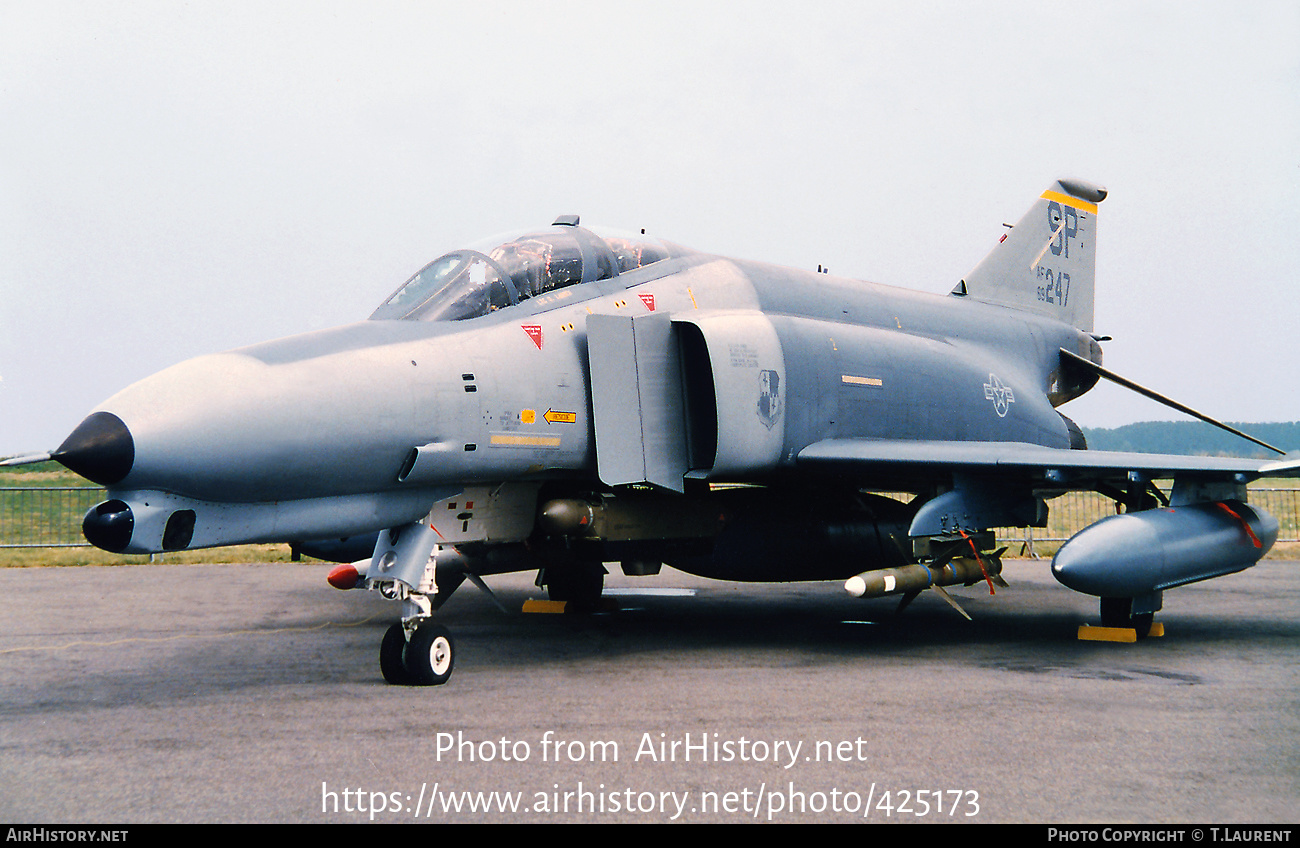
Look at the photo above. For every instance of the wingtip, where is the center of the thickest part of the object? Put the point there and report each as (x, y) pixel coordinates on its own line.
(1289, 466)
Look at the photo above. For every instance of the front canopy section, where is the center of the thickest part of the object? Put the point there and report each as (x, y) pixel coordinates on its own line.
(503, 272)
(460, 285)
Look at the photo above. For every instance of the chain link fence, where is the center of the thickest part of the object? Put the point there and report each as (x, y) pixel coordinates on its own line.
(46, 516)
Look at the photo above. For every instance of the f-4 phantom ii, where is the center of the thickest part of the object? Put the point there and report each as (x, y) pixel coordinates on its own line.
(572, 396)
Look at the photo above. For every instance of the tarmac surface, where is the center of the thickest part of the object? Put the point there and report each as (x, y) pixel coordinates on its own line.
(252, 693)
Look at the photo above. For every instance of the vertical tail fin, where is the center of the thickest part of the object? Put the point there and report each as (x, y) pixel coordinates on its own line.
(1046, 264)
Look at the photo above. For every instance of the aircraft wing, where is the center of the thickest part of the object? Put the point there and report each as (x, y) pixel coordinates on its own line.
(882, 458)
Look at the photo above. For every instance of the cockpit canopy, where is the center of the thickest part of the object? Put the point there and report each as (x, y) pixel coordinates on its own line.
(484, 278)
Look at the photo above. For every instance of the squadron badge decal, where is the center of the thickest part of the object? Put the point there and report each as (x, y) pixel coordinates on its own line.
(769, 397)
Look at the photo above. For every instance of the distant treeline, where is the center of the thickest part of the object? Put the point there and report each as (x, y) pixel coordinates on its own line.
(1195, 438)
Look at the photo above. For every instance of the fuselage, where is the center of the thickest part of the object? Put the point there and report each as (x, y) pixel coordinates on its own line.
(398, 410)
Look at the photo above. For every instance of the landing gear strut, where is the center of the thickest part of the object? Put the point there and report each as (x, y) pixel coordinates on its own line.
(579, 583)
(1118, 612)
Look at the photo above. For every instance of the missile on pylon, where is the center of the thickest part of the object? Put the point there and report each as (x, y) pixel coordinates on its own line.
(349, 575)
(914, 578)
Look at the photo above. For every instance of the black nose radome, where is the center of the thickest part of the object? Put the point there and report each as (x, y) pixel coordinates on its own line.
(100, 449)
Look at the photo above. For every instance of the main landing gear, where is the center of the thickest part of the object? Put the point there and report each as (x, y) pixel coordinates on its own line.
(578, 583)
(1126, 619)
(1118, 612)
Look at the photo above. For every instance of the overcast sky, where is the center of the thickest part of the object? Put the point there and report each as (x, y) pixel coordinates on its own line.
(183, 178)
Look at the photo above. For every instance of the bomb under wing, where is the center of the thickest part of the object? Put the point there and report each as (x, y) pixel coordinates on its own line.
(571, 397)
(911, 579)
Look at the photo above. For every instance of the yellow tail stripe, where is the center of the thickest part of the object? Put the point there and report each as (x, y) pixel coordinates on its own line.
(1069, 200)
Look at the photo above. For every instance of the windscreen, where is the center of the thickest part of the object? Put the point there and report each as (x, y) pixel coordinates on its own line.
(454, 287)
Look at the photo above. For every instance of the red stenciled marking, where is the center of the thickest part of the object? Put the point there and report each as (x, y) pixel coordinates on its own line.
(534, 332)
(979, 559)
(1244, 524)
(648, 300)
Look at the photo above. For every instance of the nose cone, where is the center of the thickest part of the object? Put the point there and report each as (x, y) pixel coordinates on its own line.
(321, 415)
(101, 449)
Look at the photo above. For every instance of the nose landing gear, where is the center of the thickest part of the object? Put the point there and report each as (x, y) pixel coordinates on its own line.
(416, 651)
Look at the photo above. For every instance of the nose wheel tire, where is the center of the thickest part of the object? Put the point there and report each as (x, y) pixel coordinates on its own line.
(390, 656)
(430, 655)
(426, 660)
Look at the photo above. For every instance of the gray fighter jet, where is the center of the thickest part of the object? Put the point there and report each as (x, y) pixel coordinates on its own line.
(574, 396)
